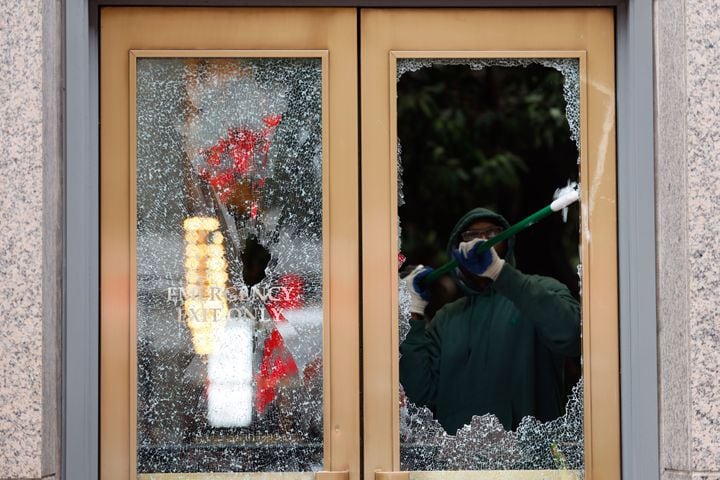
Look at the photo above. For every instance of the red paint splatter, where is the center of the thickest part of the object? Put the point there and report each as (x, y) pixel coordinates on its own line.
(272, 121)
(277, 361)
(401, 260)
(236, 156)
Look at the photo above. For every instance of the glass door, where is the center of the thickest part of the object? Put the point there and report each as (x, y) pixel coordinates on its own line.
(235, 342)
(229, 244)
(504, 363)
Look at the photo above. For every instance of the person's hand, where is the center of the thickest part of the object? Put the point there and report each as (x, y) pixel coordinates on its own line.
(419, 296)
(485, 264)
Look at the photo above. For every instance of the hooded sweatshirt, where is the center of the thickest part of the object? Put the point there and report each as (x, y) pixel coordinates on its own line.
(499, 350)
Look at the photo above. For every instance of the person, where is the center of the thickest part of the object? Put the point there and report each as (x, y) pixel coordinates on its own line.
(501, 347)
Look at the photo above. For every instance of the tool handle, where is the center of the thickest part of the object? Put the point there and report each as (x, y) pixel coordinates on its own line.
(486, 245)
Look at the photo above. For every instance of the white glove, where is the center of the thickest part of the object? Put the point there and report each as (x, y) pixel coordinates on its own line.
(486, 264)
(418, 296)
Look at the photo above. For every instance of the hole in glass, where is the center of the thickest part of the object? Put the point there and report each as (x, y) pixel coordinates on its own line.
(490, 370)
(255, 258)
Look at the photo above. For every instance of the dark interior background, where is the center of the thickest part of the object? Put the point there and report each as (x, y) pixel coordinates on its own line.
(495, 138)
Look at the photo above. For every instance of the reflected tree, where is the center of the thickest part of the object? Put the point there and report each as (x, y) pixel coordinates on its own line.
(495, 137)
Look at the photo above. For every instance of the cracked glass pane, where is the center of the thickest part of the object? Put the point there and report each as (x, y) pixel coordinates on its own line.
(229, 265)
(490, 354)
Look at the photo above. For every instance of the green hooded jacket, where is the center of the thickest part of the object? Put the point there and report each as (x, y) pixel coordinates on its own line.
(500, 350)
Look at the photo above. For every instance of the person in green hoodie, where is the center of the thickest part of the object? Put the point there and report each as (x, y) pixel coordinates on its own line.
(499, 349)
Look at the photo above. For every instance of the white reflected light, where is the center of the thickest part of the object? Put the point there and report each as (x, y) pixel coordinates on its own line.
(230, 391)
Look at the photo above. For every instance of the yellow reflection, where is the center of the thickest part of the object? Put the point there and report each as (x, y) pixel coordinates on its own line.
(206, 276)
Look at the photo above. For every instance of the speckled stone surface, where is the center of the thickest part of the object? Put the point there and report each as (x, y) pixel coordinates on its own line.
(21, 215)
(687, 39)
(688, 207)
(688, 213)
(671, 225)
(53, 208)
(672, 475)
(703, 207)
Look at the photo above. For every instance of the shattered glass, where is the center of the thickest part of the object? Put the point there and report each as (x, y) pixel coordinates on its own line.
(484, 444)
(229, 265)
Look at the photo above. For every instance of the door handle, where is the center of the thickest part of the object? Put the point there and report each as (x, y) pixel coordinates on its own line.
(392, 475)
(334, 475)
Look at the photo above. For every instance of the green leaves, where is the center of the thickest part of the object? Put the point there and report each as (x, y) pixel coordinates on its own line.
(495, 137)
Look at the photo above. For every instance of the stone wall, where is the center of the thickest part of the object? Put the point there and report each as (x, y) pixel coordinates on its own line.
(30, 142)
(687, 43)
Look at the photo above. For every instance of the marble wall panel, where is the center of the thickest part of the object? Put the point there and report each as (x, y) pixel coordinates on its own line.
(53, 207)
(671, 225)
(688, 211)
(674, 475)
(21, 241)
(703, 213)
(687, 43)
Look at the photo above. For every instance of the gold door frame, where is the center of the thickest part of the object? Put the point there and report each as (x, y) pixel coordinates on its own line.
(586, 34)
(131, 33)
(132, 80)
(406, 32)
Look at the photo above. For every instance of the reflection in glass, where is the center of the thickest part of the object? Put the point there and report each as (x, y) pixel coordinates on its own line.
(229, 265)
(490, 369)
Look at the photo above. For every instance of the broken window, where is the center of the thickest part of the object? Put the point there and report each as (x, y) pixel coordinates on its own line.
(229, 251)
(485, 382)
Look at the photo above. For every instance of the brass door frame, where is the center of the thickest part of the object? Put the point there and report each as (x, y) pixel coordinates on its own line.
(327, 327)
(129, 33)
(587, 34)
(111, 277)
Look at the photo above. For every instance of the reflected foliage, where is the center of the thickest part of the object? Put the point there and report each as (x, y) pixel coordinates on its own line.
(495, 137)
